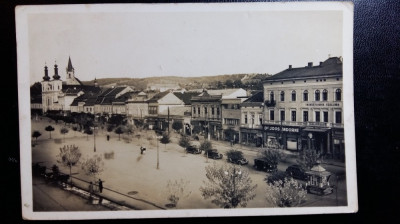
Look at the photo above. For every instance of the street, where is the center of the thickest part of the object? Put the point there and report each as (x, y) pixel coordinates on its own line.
(132, 178)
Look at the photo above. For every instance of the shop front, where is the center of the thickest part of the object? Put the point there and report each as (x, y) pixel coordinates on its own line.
(287, 137)
(251, 137)
(338, 150)
(317, 139)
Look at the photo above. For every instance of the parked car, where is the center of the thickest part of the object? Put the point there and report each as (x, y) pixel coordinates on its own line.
(213, 154)
(262, 164)
(297, 172)
(193, 149)
(239, 161)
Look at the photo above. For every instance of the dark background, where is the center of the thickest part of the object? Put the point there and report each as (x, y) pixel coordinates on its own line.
(376, 96)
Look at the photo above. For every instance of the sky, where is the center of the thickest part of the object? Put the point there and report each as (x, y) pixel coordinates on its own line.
(164, 43)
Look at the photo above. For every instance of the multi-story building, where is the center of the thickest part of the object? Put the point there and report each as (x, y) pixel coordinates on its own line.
(304, 107)
(230, 119)
(206, 115)
(252, 111)
(106, 103)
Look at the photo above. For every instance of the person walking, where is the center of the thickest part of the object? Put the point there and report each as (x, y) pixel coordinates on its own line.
(100, 185)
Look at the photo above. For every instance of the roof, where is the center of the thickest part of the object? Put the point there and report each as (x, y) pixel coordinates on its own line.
(158, 96)
(74, 89)
(88, 98)
(205, 96)
(69, 67)
(186, 96)
(255, 100)
(330, 67)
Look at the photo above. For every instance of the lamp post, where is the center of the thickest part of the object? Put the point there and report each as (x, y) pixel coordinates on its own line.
(232, 179)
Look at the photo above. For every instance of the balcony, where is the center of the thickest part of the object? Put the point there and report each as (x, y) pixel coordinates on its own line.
(270, 103)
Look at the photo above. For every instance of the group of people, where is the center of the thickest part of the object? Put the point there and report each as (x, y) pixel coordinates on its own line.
(91, 187)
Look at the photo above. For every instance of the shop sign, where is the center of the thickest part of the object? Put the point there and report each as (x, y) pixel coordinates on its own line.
(283, 129)
(322, 104)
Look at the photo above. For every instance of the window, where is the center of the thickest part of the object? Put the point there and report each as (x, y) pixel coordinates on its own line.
(282, 96)
(282, 115)
(325, 116)
(338, 117)
(317, 95)
(293, 115)
(252, 118)
(194, 110)
(305, 116)
(271, 115)
(245, 118)
(231, 121)
(260, 118)
(293, 95)
(338, 95)
(218, 111)
(152, 110)
(205, 110)
(305, 95)
(325, 95)
(212, 110)
(198, 110)
(271, 96)
(317, 116)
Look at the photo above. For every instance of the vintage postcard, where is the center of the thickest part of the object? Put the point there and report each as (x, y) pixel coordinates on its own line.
(186, 110)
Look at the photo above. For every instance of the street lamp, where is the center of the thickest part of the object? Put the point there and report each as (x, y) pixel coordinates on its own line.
(232, 179)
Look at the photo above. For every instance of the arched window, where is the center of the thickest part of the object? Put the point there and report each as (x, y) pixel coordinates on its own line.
(293, 95)
(271, 96)
(317, 95)
(305, 95)
(282, 96)
(325, 95)
(338, 95)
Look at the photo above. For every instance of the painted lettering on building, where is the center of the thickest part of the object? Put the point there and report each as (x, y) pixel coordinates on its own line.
(322, 104)
(283, 129)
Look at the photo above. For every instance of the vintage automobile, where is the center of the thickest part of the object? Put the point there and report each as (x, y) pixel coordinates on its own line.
(213, 154)
(318, 181)
(239, 161)
(262, 164)
(297, 172)
(193, 149)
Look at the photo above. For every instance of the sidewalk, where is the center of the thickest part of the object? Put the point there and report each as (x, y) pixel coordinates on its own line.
(48, 197)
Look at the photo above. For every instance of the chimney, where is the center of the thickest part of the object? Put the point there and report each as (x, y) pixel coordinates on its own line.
(320, 63)
(310, 64)
(290, 67)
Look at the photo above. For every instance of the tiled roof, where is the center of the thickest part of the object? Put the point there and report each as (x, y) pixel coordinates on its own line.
(88, 98)
(330, 67)
(74, 89)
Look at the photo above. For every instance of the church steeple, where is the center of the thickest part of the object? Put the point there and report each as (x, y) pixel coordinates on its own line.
(46, 74)
(70, 68)
(56, 76)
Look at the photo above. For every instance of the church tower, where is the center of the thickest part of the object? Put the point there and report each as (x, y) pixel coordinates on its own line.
(70, 79)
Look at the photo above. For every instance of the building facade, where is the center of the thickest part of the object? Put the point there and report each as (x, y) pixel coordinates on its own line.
(252, 116)
(304, 108)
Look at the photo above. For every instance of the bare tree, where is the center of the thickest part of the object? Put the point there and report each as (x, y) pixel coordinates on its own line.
(286, 193)
(308, 158)
(176, 190)
(93, 166)
(228, 186)
(69, 156)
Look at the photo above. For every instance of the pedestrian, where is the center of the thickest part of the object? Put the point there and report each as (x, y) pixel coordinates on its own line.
(100, 185)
